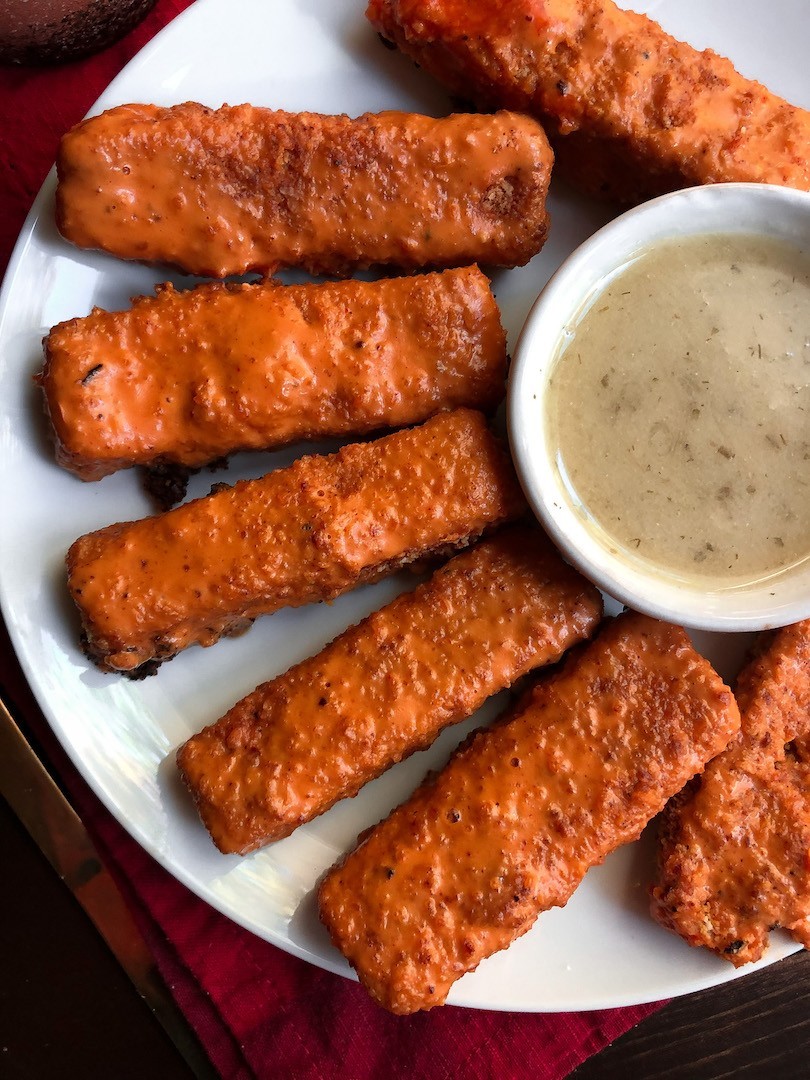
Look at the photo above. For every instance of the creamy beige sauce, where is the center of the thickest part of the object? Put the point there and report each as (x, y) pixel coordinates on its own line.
(678, 408)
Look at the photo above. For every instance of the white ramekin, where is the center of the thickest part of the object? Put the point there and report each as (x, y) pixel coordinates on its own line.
(771, 211)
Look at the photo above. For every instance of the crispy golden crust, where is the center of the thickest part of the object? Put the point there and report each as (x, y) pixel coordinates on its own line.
(386, 688)
(226, 191)
(189, 377)
(734, 859)
(631, 112)
(511, 825)
(146, 589)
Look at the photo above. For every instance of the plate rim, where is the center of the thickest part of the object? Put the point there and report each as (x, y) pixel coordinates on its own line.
(197, 12)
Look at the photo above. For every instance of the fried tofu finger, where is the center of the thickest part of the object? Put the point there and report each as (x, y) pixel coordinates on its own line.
(147, 589)
(630, 111)
(226, 191)
(522, 810)
(734, 857)
(385, 688)
(185, 378)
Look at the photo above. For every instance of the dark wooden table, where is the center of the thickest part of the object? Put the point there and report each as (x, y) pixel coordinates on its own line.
(67, 1010)
(758, 1026)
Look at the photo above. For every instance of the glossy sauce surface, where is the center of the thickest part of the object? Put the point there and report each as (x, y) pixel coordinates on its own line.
(631, 111)
(148, 588)
(386, 687)
(187, 377)
(226, 191)
(678, 408)
(523, 809)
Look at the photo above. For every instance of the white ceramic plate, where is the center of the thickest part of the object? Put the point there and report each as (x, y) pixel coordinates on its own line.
(603, 949)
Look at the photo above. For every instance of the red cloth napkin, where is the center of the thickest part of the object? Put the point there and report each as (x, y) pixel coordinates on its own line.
(257, 1011)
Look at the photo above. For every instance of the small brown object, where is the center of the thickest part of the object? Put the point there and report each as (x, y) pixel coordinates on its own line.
(147, 589)
(385, 688)
(227, 191)
(522, 811)
(52, 31)
(631, 111)
(185, 378)
(734, 859)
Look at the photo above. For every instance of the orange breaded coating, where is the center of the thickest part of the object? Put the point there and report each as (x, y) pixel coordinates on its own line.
(226, 191)
(631, 112)
(734, 860)
(385, 688)
(522, 810)
(189, 377)
(147, 589)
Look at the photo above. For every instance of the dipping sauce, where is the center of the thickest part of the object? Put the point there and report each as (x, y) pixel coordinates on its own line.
(678, 408)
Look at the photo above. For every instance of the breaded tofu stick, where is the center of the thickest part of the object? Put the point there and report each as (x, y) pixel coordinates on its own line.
(231, 190)
(189, 377)
(522, 810)
(385, 688)
(147, 589)
(630, 111)
(734, 859)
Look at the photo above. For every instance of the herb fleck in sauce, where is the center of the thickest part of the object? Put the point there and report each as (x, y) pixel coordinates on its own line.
(679, 407)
